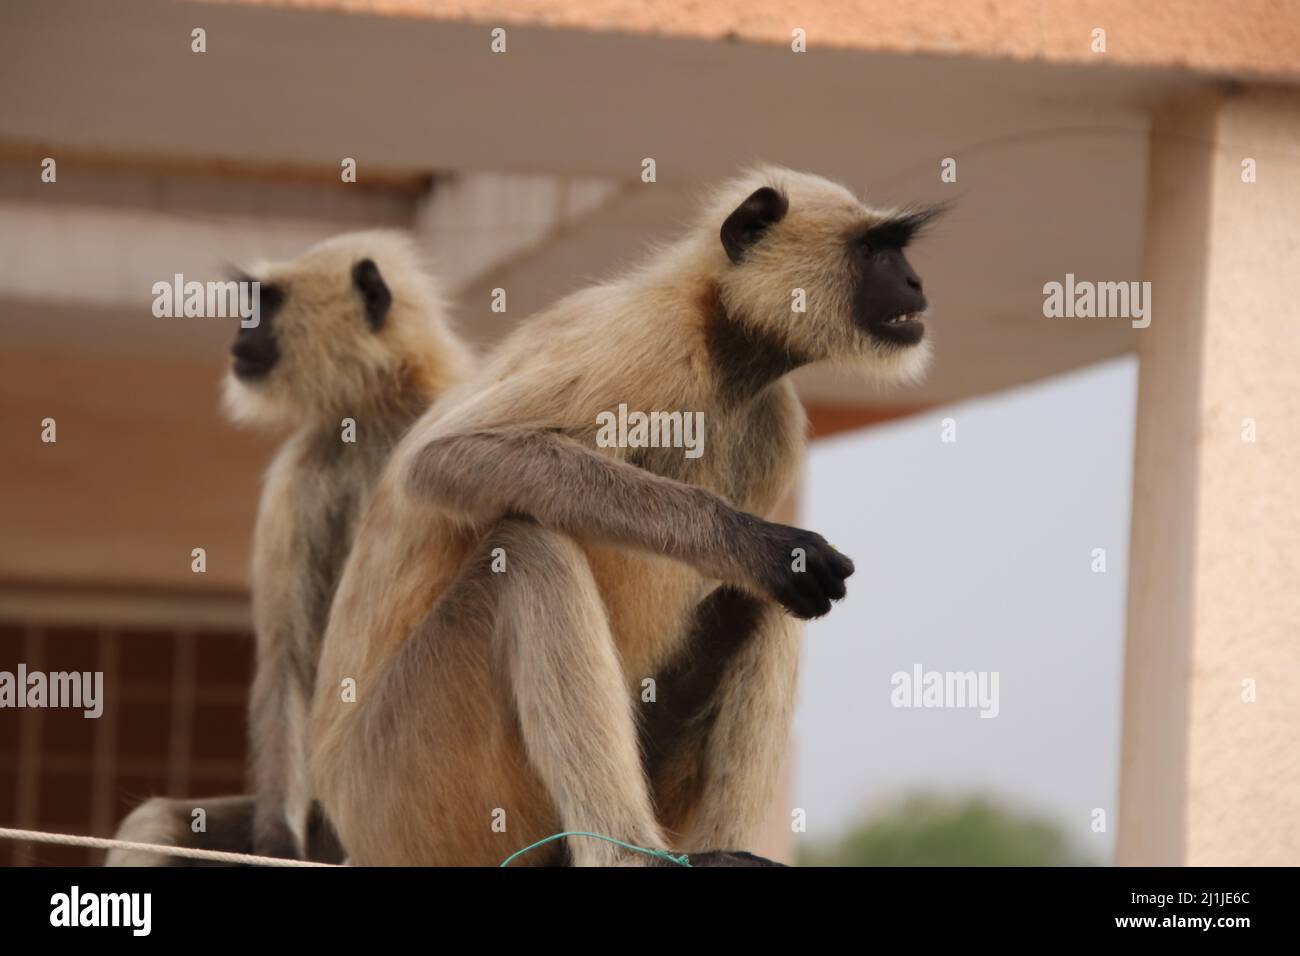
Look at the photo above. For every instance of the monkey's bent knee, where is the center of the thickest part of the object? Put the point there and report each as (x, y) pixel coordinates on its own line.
(528, 546)
(157, 820)
(226, 824)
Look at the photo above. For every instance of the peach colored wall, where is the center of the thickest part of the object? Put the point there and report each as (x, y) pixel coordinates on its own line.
(1243, 768)
(144, 470)
(1214, 591)
(1248, 37)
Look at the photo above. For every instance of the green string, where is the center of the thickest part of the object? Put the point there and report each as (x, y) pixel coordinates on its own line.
(682, 860)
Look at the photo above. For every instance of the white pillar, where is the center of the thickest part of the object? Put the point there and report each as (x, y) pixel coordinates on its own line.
(1208, 777)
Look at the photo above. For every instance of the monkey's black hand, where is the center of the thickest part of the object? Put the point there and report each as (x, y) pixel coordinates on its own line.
(803, 572)
(730, 858)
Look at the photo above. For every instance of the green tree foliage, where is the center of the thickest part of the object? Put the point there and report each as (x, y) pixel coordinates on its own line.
(925, 830)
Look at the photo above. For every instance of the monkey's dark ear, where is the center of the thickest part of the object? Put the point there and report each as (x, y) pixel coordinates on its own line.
(746, 225)
(374, 292)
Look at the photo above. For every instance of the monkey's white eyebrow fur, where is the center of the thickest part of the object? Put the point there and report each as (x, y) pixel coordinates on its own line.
(904, 226)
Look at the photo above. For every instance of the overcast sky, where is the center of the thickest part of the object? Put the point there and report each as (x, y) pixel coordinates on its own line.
(975, 555)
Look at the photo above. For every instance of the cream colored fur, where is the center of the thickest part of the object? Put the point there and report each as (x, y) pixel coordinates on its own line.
(483, 692)
(332, 366)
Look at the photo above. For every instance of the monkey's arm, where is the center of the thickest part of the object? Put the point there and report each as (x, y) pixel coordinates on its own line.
(286, 570)
(271, 757)
(489, 472)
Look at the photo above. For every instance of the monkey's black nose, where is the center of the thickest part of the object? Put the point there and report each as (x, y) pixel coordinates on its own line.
(254, 355)
(914, 282)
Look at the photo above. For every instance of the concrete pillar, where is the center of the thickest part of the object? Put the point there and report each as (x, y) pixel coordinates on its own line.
(1207, 776)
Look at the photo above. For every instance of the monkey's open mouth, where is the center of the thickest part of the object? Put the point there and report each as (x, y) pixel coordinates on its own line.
(905, 329)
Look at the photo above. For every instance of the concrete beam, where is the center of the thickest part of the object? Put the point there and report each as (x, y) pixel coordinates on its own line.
(1250, 38)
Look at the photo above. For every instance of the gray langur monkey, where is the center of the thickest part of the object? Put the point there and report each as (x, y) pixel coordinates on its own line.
(517, 577)
(351, 346)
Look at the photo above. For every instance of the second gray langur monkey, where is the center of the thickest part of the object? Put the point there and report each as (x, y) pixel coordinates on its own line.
(352, 330)
(516, 579)
(355, 329)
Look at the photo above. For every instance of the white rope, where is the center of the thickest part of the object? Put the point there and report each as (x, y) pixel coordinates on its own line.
(100, 843)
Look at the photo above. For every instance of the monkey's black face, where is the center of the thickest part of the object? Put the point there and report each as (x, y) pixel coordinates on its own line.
(256, 351)
(887, 300)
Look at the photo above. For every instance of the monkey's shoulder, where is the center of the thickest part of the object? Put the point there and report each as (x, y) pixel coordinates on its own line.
(748, 454)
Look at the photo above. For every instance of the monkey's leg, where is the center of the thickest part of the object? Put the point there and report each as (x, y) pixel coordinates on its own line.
(574, 710)
(227, 821)
(716, 738)
(228, 825)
